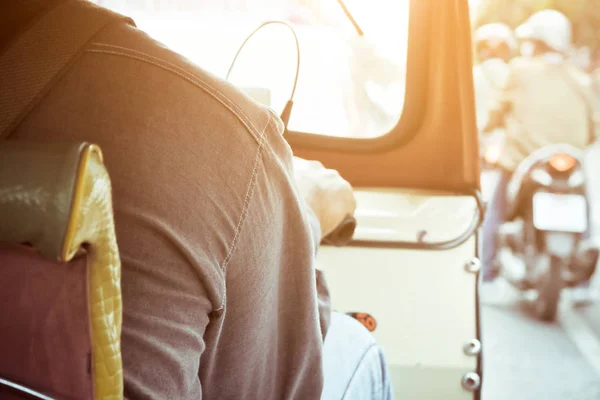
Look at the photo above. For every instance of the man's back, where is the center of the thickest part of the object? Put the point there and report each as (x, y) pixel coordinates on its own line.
(218, 277)
(546, 106)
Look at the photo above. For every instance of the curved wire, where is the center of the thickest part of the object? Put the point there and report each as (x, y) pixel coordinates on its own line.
(258, 29)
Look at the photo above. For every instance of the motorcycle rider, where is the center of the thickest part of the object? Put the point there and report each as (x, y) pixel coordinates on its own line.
(495, 46)
(545, 100)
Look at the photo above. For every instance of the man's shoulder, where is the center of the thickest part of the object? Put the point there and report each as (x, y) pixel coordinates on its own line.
(127, 41)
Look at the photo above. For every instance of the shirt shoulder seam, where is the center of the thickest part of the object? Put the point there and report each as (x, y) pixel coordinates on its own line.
(248, 195)
(109, 49)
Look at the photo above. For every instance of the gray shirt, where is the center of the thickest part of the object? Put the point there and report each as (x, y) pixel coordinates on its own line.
(217, 249)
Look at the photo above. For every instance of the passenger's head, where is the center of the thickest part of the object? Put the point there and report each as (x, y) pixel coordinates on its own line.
(547, 31)
(495, 41)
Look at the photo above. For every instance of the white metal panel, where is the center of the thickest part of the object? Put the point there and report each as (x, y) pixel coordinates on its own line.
(424, 301)
(392, 214)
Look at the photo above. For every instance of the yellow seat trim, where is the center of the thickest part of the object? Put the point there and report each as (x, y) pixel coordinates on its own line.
(91, 224)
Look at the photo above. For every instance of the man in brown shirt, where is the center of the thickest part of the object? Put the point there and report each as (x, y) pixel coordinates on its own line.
(217, 242)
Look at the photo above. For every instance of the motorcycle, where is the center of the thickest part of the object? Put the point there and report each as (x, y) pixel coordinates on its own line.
(543, 247)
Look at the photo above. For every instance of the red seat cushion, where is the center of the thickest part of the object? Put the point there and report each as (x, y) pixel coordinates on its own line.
(45, 339)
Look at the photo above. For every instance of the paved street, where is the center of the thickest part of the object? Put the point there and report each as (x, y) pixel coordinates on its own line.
(525, 359)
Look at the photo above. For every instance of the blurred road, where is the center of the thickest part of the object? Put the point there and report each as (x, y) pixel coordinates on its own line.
(529, 360)
(524, 359)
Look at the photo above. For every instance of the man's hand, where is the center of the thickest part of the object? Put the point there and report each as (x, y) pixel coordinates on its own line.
(329, 196)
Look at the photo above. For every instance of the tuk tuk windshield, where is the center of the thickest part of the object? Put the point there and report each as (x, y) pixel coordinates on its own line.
(351, 77)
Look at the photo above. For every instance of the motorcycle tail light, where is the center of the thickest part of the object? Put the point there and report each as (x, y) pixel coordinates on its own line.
(562, 162)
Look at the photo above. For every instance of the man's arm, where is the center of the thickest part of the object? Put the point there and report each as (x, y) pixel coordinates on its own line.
(323, 296)
(592, 101)
(329, 199)
(166, 310)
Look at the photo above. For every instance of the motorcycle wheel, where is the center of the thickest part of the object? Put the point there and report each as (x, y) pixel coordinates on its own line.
(549, 287)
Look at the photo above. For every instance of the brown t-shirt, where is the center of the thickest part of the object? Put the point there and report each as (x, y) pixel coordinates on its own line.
(218, 278)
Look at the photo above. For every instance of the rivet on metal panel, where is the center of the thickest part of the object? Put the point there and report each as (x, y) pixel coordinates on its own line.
(473, 266)
(472, 348)
(471, 381)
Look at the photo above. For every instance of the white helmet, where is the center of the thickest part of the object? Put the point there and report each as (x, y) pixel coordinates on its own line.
(550, 27)
(494, 35)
